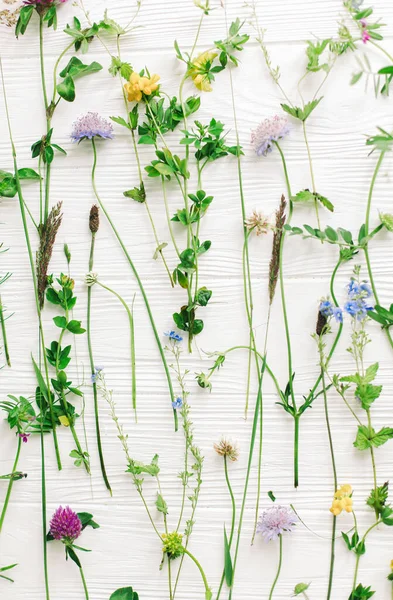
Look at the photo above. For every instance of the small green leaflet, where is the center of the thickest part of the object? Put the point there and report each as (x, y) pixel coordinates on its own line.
(161, 505)
(124, 594)
(308, 196)
(301, 113)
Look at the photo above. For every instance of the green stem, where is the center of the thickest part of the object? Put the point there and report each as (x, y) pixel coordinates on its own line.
(373, 462)
(367, 225)
(208, 593)
(41, 332)
(232, 522)
(4, 332)
(278, 570)
(84, 583)
(333, 460)
(311, 172)
(286, 324)
(10, 483)
(132, 332)
(245, 489)
(92, 369)
(135, 272)
(359, 555)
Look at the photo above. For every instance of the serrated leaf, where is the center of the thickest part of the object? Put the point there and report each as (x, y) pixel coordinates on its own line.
(161, 505)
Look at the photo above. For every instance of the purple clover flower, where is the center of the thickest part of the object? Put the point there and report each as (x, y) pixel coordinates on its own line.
(268, 132)
(65, 525)
(178, 403)
(172, 335)
(91, 125)
(274, 521)
(43, 2)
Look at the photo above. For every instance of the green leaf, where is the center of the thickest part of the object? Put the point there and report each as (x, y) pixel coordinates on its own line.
(60, 322)
(75, 327)
(24, 19)
(303, 196)
(378, 497)
(120, 121)
(73, 556)
(187, 258)
(301, 113)
(367, 437)
(28, 174)
(87, 520)
(66, 89)
(41, 383)
(360, 549)
(386, 70)
(331, 234)
(124, 594)
(51, 296)
(228, 567)
(161, 505)
(271, 496)
(137, 193)
(8, 188)
(346, 540)
(203, 296)
(325, 202)
(76, 68)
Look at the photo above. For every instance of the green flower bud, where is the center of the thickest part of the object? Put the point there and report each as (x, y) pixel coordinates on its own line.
(203, 381)
(173, 546)
(386, 220)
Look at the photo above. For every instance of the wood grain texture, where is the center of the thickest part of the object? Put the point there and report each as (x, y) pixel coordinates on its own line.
(125, 550)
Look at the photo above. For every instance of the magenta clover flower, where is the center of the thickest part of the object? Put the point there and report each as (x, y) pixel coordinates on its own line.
(268, 132)
(274, 521)
(90, 126)
(65, 525)
(45, 3)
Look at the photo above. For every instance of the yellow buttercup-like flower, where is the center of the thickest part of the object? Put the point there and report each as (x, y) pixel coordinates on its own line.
(138, 85)
(342, 500)
(199, 70)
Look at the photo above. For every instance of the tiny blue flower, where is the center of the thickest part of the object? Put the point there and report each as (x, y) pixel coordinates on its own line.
(94, 375)
(174, 336)
(326, 308)
(338, 314)
(178, 403)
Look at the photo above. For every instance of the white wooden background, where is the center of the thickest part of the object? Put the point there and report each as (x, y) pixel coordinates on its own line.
(125, 550)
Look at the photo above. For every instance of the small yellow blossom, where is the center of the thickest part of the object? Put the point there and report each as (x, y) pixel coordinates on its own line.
(199, 71)
(138, 84)
(391, 565)
(342, 500)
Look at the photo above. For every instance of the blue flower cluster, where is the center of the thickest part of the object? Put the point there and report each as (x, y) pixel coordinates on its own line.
(178, 403)
(97, 371)
(172, 335)
(357, 305)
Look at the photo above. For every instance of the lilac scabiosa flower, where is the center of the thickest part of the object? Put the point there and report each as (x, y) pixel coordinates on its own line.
(172, 335)
(97, 371)
(178, 403)
(274, 521)
(90, 126)
(65, 525)
(268, 132)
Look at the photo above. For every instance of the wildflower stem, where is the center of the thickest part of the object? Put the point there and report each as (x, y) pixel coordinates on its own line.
(311, 172)
(10, 483)
(232, 521)
(135, 272)
(208, 593)
(286, 324)
(84, 583)
(92, 369)
(359, 555)
(32, 268)
(367, 225)
(138, 162)
(278, 569)
(4, 333)
(245, 489)
(132, 332)
(333, 460)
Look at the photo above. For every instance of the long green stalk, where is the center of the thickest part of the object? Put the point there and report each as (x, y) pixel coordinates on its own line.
(84, 583)
(10, 483)
(278, 570)
(132, 336)
(233, 519)
(4, 333)
(135, 272)
(92, 369)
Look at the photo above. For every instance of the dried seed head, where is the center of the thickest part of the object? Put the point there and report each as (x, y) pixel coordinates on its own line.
(94, 219)
(274, 266)
(321, 323)
(227, 448)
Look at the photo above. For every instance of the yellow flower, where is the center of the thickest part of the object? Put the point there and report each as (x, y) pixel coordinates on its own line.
(138, 84)
(342, 500)
(391, 564)
(199, 71)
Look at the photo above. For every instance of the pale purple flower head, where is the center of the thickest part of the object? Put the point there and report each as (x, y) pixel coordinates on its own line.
(43, 2)
(268, 132)
(65, 525)
(274, 521)
(91, 125)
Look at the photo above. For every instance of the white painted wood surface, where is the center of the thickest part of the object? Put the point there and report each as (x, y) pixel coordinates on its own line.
(125, 549)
